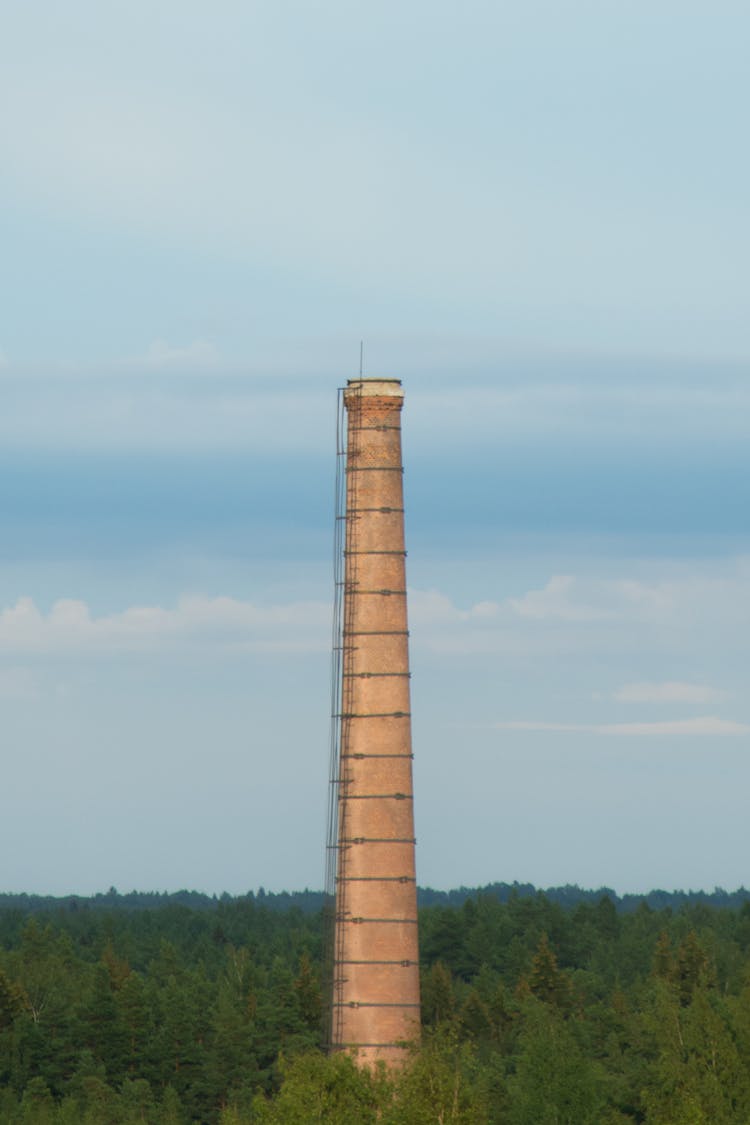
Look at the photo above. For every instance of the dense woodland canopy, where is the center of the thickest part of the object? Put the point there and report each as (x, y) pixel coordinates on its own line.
(562, 1008)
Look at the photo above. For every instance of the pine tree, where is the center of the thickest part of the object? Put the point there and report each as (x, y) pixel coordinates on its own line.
(438, 1000)
(547, 982)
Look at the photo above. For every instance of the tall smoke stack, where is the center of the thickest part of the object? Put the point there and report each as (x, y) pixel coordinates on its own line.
(375, 971)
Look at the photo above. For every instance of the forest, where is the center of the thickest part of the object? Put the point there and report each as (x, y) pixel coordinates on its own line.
(559, 1008)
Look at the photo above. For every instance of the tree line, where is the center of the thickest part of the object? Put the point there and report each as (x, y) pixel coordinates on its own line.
(535, 1012)
(313, 901)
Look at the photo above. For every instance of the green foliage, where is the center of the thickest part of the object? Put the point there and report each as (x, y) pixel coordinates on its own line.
(554, 1083)
(536, 1010)
(442, 1082)
(438, 999)
(546, 981)
(318, 1089)
(12, 1002)
(698, 1074)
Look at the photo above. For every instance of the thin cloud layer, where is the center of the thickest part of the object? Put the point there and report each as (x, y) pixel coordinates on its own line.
(196, 356)
(18, 683)
(669, 692)
(81, 406)
(707, 725)
(263, 162)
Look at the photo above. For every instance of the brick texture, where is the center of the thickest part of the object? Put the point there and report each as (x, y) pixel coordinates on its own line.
(376, 972)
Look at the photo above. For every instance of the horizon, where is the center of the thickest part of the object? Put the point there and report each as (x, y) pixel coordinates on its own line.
(262, 891)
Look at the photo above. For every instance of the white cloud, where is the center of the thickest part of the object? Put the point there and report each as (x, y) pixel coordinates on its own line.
(194, 622)
(430, 607)
(668, 608)
(708, 725)
(556, 600)
(568, 598)
(671, 691)
(570, 618)
(563, 598)
(215, 622)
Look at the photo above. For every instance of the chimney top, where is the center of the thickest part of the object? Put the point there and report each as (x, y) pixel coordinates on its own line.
(369, 386)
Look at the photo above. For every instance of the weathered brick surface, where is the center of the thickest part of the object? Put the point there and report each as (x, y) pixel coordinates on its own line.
(376, 975)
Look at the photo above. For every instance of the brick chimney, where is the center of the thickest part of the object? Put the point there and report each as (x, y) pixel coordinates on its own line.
(375, 994)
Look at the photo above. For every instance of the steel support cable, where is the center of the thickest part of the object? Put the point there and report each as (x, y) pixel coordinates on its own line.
(339, 543)
(345, 575)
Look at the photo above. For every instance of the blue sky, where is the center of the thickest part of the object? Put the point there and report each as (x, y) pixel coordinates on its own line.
(536, 216)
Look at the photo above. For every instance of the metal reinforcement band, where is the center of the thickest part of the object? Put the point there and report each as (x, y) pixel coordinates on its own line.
(374, 715)
(345, 1046)
(385, 592)
(372, 429)
(379, 796)
(374, 675)
(374, 469)
(367, 921)
(358, 756)
(345, 840)
(379, 633)
(383, 509)
(371, 1004)
(375, 879)
(405, 964)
